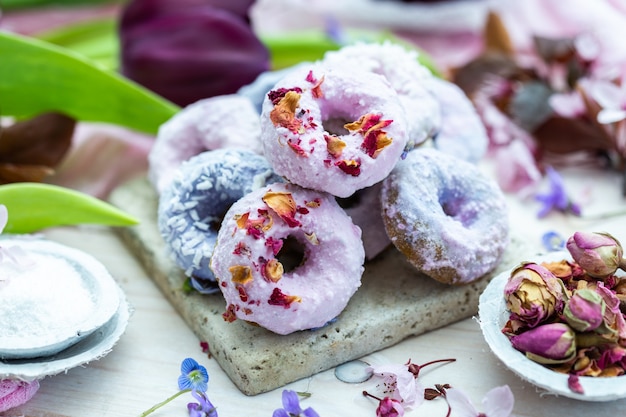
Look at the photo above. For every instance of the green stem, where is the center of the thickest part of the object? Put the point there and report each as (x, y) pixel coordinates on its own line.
(162, 403)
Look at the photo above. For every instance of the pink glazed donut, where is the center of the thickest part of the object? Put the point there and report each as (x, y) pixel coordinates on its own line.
(228, 121)
(287, 258)
(333, 130)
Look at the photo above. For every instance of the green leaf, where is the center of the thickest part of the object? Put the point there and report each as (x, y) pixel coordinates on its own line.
(95, 39)
(20, 4)
(36, 77)
(36, 206)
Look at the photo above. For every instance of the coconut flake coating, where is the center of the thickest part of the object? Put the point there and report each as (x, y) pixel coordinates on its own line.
(332, 130)
(192, 206)
(410, 79)
(213, 123)
(250, 252)
(447, 217)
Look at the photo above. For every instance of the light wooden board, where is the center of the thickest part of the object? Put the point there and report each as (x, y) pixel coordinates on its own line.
(394, 302)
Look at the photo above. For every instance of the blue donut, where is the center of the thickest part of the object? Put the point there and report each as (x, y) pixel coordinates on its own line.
(191, 208)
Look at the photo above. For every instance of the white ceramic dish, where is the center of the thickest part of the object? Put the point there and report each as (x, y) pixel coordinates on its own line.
(93, 347)
(57, 299)
(493, 315)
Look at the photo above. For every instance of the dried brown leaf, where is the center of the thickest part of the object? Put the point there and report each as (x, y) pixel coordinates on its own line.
(42, 140)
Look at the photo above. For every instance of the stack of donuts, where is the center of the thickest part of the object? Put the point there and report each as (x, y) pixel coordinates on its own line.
(279, 207)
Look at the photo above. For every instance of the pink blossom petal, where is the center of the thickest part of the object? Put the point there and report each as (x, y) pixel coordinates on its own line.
(14, 393)
(460, 403)
(499, 402)
(101, 158)
(568, 105)
(400, 384)
(607, 116)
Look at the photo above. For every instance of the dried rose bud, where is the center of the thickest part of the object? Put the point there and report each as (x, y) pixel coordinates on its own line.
(599, 254)
(547, 344)
(533, 294)
(189, 50)
(584, 311)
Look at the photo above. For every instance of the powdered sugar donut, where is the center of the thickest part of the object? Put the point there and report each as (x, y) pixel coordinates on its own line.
(332, 130)
(364, 209)
(407, 77)
(462, 133)
(447, 217)
(216, 122)
(192, 206)
(270, 228)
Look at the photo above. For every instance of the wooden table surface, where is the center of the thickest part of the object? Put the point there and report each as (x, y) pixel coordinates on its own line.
(143, 367)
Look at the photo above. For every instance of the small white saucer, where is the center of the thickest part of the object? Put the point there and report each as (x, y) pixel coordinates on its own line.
(93, 347)
(54, 298)
(493, 315)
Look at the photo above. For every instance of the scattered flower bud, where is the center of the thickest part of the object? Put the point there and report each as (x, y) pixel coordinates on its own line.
(584, 311)
(533, 294)
(599, 254)
(191, 50)
(547, 344)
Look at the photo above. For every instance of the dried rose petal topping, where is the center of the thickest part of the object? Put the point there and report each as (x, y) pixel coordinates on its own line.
(334, 145)
(240, 274)
(349, 166)
(254, 227)
(275, 244)
(276, 95)
(312, 237)
(273, 270)
(311, 78)
(371, 127)
(316, 91)
(243, 294)
(297, 148)
(278, 298)
(284, 113)
(284, 205)
(229, 314)
(314, 203)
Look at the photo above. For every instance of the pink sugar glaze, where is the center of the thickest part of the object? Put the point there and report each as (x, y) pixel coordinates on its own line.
(330, 275)
(213, 123)
(343, 97)
(473, 234)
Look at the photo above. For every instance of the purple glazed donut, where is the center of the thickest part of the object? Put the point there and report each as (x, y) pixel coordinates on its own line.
(448, 218)
(287, 258)
(192, 206)
(332, 130)
(213, 123)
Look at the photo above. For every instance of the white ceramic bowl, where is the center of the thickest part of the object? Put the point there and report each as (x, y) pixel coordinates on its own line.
(61, 296)
(493, 315)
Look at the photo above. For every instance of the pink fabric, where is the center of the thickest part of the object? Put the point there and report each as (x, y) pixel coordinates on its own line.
(14, 393)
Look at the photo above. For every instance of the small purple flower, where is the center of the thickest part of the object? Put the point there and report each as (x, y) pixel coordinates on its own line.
(291, 407)
(547, 344)
(203, 408)
(193, 376)
(599, 254)
(556, 198)
(498, 402)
